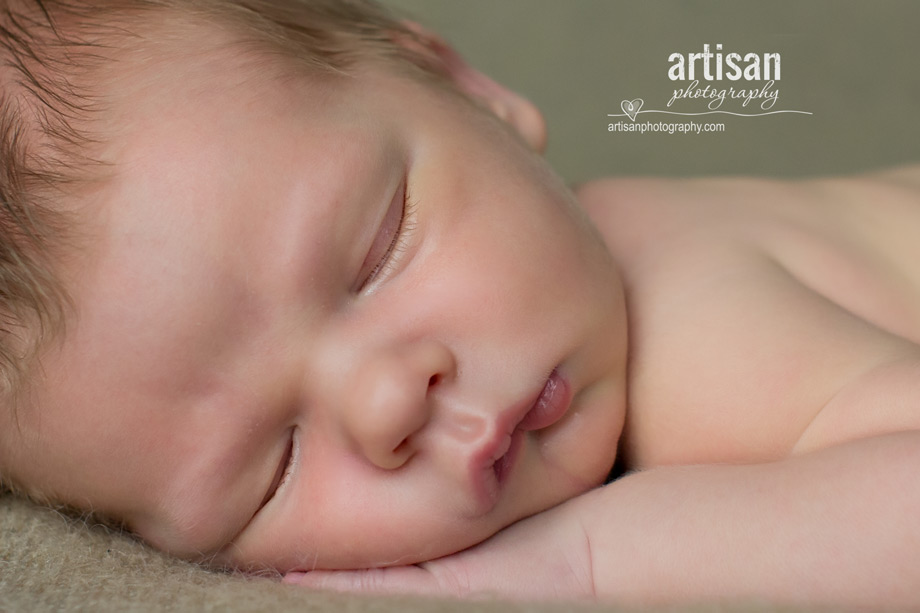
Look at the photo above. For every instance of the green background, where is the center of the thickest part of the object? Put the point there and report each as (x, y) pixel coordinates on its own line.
(853, 64)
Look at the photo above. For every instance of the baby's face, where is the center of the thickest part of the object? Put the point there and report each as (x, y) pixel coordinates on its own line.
(315, 319)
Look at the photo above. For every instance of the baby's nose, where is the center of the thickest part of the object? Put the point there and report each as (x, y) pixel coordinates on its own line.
(390, 399)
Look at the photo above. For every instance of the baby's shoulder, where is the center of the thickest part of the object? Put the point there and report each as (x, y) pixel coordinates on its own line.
(906, 176)
(753, 302)
(851, 239)
(642, 214)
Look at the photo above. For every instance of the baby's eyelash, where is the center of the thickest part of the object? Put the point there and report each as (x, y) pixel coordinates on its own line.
(400, 242)
(290, 458)
(287, 469)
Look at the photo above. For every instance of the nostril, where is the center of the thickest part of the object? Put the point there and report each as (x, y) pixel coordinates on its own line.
(434, 380)
(402, 446)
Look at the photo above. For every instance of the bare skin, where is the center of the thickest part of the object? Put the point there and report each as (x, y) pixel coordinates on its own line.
(239, 384)
(774, 379)
(788, 297)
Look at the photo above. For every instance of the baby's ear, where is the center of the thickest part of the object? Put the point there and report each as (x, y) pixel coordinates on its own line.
(507, 105)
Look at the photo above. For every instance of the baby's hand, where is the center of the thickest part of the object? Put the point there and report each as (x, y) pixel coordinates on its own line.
(543, 557)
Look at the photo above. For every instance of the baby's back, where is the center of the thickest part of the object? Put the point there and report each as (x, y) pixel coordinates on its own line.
(766, 318)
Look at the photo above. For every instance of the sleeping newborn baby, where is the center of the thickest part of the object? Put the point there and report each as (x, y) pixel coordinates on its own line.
(287, 285)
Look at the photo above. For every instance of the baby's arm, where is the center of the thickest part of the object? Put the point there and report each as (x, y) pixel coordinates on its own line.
(837, 525)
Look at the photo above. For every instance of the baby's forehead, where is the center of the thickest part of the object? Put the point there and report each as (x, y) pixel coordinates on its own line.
(250, 92)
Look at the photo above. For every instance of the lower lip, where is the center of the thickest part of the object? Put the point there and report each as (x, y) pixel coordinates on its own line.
(552, 404)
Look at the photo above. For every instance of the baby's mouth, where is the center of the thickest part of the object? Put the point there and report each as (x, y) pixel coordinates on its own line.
(549, 406)
(546, 410)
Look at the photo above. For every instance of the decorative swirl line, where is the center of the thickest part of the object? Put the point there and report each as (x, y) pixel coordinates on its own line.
(711, 113)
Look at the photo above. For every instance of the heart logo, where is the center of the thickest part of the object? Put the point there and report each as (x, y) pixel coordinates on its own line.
(631, 107)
